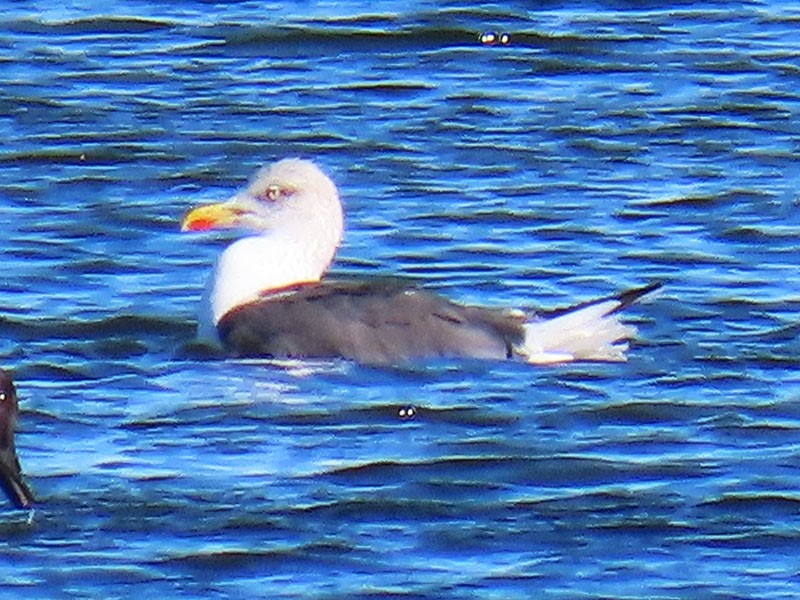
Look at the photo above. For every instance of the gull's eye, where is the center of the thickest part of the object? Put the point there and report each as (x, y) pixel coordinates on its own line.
(274, 193)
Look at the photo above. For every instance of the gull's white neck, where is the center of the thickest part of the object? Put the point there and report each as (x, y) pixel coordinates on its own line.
(254, 266)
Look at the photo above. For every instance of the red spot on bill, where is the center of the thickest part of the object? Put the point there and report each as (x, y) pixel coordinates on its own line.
(199, 225)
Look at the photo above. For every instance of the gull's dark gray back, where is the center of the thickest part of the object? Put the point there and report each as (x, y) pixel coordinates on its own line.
(374, 323)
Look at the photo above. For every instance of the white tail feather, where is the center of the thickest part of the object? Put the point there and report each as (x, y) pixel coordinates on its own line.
(592, 332)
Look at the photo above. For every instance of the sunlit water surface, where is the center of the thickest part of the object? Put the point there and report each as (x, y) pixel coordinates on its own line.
(607, 145)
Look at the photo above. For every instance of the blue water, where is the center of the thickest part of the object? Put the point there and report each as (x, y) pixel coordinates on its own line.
(609, 144)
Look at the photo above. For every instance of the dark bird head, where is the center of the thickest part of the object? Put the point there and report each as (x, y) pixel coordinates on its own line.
(10, 473)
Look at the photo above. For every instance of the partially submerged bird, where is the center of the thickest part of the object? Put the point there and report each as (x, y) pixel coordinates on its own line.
(267, 296)
(10, 472)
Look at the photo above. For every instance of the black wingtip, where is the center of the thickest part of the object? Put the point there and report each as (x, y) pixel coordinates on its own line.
(625, 299)
(631, 296)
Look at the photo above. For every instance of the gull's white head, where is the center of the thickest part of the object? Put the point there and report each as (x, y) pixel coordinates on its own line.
(289, 196)
(292, 217)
